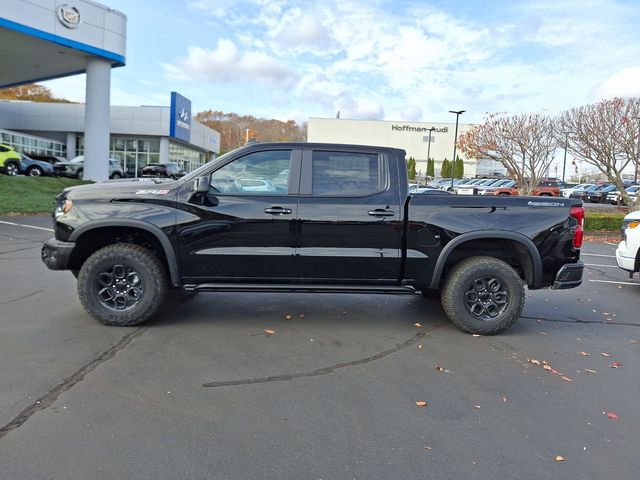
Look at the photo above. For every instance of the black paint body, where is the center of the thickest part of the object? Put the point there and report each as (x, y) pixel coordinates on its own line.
(212, 238)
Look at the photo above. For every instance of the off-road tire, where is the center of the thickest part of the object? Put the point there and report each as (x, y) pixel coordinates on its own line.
(461, 279)
(151, 272)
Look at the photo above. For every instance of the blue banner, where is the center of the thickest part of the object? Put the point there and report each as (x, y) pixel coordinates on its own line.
(180, 123)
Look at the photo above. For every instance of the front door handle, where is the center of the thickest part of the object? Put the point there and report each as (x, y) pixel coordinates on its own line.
(278, 211)
(381, 212)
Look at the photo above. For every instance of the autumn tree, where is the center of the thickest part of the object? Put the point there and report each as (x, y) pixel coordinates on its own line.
(523, 143)
(605, 135)
(411, 168)
(31, 92)
(234, 129)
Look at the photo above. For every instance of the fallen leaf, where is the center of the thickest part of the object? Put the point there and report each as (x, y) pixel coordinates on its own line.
(301, 316)
(612, 416)
(420, 346)
(633, 341)
(547, 367)
(534, 361)
(439, 368)
(566, 379)
(606, 314)
(556, 372)
(475, 335)
(559, 458)
(417, 325)
(288, 317)
(542, 333)
(605, 354)
(421, 403)
(269, 332)
(585, 354)
(427, 448)
(615, 365)
(504, 399)
(589, 370)
(477, 406)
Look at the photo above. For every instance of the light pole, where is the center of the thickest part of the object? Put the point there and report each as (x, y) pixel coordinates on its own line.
(429, 152)
(455, 142)
(564, 164)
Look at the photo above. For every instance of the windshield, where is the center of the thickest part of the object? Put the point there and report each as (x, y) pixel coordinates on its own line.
(198, 171)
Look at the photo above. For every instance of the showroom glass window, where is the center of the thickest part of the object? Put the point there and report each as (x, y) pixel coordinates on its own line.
(259, 173)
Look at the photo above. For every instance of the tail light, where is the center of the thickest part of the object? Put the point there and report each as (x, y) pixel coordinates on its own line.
(578, 233)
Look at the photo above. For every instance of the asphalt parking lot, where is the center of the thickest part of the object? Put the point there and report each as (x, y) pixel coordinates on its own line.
(205, 393)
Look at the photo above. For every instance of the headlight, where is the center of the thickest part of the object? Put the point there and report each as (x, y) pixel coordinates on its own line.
(63, 207)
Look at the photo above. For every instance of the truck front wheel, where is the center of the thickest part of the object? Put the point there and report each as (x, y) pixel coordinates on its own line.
(483, 295)
(122, 284)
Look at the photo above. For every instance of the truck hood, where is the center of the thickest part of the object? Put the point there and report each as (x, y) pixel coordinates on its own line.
(125, 188)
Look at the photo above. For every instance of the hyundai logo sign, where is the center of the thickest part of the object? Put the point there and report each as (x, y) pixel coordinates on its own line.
(180, 125)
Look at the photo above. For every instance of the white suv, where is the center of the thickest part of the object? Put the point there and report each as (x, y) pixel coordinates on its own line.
(628, 252)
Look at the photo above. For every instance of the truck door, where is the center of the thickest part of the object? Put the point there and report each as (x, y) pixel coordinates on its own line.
(245, 226)
(350, 218)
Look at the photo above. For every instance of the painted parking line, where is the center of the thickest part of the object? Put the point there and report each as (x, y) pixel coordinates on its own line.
(596, 265)
(582, 254)
(618, 283)
(26, 226)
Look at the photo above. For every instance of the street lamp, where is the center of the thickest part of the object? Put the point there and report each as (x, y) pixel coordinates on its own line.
(429, 150)
(564, 164)
(455, 142)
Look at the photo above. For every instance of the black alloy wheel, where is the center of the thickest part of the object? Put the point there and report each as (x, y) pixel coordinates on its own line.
(119, 287)
(486, 298)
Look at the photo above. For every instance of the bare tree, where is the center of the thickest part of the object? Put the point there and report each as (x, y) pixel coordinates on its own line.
(523, 143)
(605, 135)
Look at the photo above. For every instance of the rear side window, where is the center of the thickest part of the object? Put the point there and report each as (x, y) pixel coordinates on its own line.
(347, 174)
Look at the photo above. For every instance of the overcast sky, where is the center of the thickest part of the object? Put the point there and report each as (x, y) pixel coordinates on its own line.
(391, 60)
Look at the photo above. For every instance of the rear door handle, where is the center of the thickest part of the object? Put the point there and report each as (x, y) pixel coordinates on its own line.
(381, 212)
(278, 211)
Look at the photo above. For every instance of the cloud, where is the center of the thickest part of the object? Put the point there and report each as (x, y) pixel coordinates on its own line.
(624, 83)
(303, 31)
(358, 109)
(411, 113)
(228, 64)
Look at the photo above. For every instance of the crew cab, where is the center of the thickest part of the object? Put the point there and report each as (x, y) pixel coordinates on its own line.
(339, 220)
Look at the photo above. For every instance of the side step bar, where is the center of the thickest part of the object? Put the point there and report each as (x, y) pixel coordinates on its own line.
(249, 287)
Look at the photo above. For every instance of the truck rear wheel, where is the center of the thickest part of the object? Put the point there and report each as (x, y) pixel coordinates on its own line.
(483, 295)
(122, 284)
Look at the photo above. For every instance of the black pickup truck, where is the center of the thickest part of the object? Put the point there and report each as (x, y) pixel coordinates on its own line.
(312, 218)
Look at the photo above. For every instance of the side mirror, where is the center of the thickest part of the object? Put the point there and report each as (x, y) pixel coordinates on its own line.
(202, 184)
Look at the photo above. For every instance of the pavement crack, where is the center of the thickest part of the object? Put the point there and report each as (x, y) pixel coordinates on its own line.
(578, 320)
(52, 395)
(320, 371)
(22, 297)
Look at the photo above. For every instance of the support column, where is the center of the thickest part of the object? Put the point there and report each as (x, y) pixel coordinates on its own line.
(97, 120)
(164, 149)
(71, 145)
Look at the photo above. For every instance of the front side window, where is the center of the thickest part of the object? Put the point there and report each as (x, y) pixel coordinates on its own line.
(347, 174)
(258, 173)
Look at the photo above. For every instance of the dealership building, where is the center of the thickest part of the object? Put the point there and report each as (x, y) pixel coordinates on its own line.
(46, 39)
(416, 138)
(137, 135)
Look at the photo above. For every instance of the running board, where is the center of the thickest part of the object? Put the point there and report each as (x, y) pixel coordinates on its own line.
(250, 287)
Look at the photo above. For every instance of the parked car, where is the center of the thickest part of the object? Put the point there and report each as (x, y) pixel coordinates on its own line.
(614, 198)
(547, 187)
(582, 193)
(34, 168)
(340, 226)
(9, 160)
(75, 168)
(600, 195)
(162, 170)
(566, 192)
(489, 189)
(429, 191)
(628, 251)
(51, 159)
